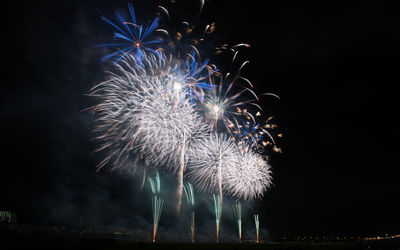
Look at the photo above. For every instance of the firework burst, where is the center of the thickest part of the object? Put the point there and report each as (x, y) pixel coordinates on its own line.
(219, 164)
(145, 111)
(251, 176)
(226, 106)
(195, 77)
(130, 37)
(181, 115)
(209, 159)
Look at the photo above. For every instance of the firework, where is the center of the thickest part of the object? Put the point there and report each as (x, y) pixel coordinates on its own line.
(223, 105)
(209, 158)
(237, 210)
(257, 224)
(146, 113)
(218, 212)
(181, 115)
(251, 176)
(156, 202)
(251, 133)
(130, 36)
(188, 189)
(195, 77)
(139, 106)
(218, 164)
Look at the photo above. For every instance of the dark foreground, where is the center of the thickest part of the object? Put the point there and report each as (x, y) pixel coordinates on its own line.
(99, 244)
(23, 237)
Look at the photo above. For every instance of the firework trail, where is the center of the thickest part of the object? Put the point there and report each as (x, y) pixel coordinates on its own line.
(156, 202)
(257, 224)
(218, 212)
(189, 194)
(237, 210)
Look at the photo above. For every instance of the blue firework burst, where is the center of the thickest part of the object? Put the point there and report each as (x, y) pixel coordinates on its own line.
(130, 37)
(196, 77)
(252, 133)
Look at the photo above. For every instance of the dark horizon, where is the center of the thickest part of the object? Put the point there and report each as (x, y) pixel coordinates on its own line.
(333, 64)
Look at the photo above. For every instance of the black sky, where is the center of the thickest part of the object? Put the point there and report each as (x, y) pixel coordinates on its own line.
(333, 63)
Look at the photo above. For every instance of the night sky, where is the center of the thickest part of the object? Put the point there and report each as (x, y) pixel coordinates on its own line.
(334, 65)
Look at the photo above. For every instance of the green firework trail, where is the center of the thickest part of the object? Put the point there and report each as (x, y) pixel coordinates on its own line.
(218, 212)
(188, 189)
(257, 223)
(156, 202)
(237, 209)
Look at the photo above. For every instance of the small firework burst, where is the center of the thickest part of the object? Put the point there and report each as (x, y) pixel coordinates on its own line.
(224, 108)
(130, 37)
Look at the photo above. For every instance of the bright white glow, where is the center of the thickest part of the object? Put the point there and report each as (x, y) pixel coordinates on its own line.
(216, 109)
(177, 86)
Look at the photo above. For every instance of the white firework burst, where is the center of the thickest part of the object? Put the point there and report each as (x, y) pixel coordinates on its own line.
(146, 113)
(208, 160)
(219, 164)
(250, 178)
